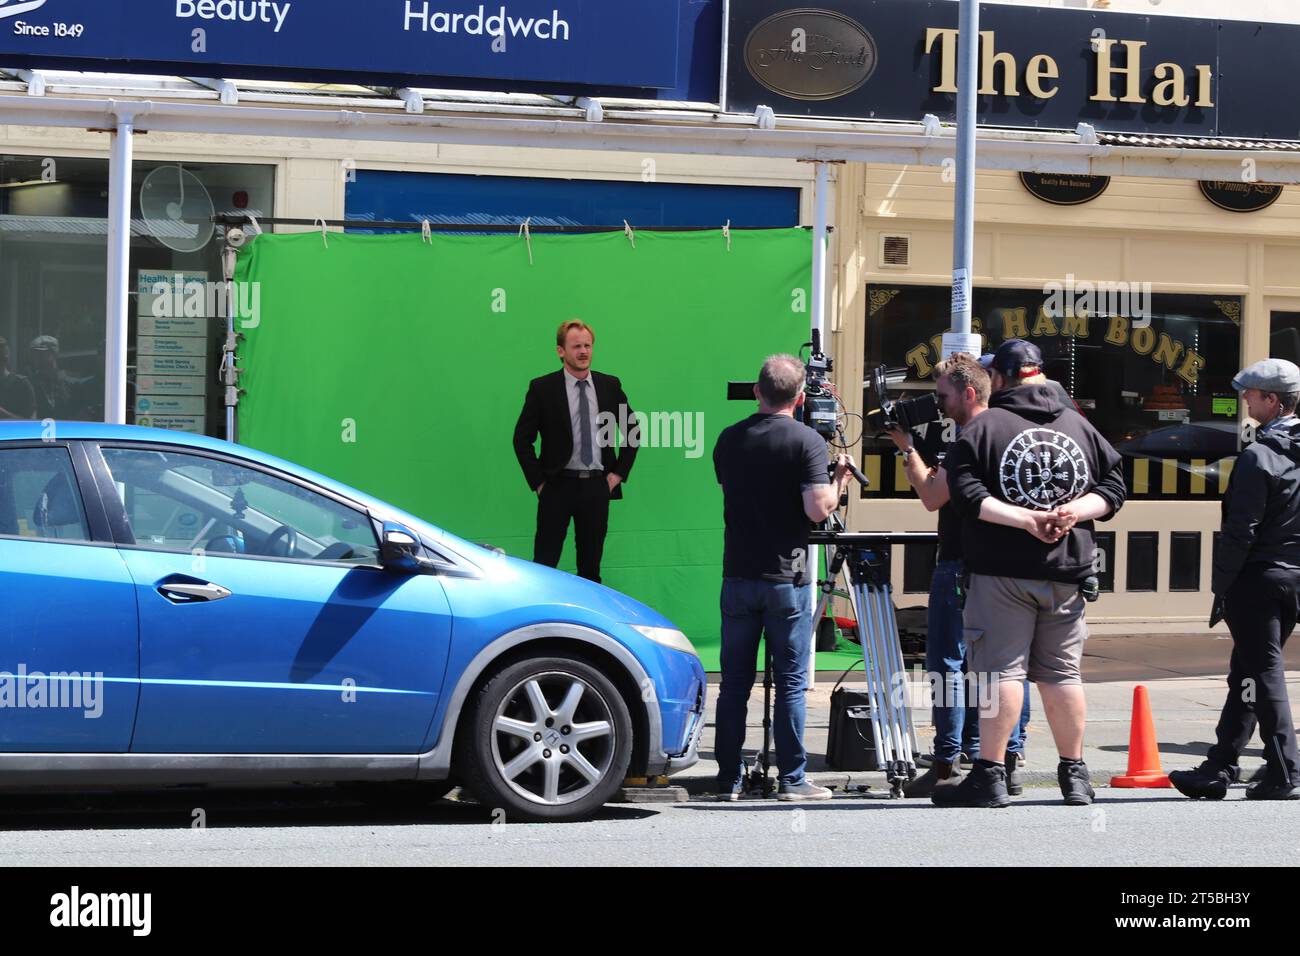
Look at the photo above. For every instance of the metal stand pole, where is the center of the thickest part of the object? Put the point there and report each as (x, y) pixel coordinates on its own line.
(229, 373)
(821, 202)
(963, 232)
(119, 257)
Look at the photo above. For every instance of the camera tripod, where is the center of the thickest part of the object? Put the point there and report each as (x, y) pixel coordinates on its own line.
(857, 556)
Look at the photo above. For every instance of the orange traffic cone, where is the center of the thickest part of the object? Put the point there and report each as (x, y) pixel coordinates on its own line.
(1144, 768)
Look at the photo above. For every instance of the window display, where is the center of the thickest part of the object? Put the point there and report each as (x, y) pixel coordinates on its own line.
(1152, 372)
(53, 252)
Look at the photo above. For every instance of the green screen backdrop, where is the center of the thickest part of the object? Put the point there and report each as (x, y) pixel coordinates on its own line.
(398, 364)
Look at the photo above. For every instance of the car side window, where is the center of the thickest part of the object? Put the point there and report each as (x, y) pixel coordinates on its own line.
(39, 497)
(181, 502)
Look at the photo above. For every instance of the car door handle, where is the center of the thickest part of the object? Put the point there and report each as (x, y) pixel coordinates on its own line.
(192, 593)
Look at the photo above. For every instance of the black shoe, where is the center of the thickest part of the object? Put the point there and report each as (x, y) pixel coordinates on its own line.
(984, 786)
(1272, 789)
(1075, 788)
(1015, 783)
(1209, 781)
(940, 774)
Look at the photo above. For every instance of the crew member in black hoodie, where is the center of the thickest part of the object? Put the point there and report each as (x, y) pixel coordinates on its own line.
(1028, 477)
(1256, 586)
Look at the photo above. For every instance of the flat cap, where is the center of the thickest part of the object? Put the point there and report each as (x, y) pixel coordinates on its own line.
(1269, 375)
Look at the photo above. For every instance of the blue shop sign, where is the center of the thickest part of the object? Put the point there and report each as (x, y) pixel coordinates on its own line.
(515, 44)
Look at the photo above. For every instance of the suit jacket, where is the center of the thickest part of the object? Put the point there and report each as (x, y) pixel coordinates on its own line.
(546, 411)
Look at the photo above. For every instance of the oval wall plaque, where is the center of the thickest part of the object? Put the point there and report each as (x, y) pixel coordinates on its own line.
(1240, 197)
(1063, 189)
(810, 54)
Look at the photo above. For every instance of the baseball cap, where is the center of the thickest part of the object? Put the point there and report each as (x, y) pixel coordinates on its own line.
(45, 343)
(1269, 375)
(1013, 355)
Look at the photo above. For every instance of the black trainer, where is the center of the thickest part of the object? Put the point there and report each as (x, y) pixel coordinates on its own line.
(984, 786)
(1271, 788)
(1209, 781)
(1015, 783)
(1075, 786)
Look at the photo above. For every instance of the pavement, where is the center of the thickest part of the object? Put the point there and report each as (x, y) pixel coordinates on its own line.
(1185, 677)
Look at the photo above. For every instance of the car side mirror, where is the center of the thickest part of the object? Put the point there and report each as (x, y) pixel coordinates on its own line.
(402, 552)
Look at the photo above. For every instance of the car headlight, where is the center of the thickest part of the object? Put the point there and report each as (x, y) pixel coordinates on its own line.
(666, 636)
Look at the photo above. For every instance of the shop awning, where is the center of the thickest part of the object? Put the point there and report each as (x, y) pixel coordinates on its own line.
(246, 108)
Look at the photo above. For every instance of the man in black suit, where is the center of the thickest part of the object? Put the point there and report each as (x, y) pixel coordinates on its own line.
(579, 471)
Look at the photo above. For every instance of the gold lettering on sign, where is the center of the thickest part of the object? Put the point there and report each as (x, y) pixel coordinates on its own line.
(1170, 81)
(989, 61)
(1168, 351)
(1131, 71)
(1076, 325)
(1203, 77)
(1044, 325)
(1171, 91)
(1144, 340)
(1015, 323)
(1195, 362)
(1117, 331)
(1041, 67)
(947, 57)
(918, 358)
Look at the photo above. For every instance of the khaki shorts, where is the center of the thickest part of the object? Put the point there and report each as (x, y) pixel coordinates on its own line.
(1015, 628)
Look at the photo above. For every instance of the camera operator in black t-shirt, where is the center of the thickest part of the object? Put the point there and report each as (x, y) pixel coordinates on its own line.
(775, 478)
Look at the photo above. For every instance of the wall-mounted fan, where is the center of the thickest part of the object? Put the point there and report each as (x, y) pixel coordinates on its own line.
(177, 209)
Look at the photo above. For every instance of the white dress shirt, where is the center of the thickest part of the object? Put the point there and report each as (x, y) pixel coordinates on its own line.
(571, 388)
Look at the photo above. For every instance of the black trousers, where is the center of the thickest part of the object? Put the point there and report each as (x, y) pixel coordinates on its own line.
(585, 502)
(1260, 609)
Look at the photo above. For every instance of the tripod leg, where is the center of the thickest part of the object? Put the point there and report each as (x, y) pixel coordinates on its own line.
(911, 747)
(865, 613)
(900, 716)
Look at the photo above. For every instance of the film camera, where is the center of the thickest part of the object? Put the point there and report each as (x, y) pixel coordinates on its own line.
(883, 412)
(822, 409)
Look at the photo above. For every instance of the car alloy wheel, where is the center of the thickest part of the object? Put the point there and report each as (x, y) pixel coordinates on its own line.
(553, 738)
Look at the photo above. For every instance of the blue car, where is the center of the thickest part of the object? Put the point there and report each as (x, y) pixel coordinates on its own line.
(177, 610)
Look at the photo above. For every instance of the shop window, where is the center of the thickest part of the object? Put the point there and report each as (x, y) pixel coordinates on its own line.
(1284, 336)
(1185, 561)
(53, 224)
(918, 566)
(1106, 559)
(1143, 556)
(1151, 372)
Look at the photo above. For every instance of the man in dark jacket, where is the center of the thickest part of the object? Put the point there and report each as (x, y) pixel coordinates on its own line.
(1028, 477)
(578, 412)
(1256, 586)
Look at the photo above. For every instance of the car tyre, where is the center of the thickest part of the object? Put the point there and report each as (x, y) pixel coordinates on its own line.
(547, 739)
